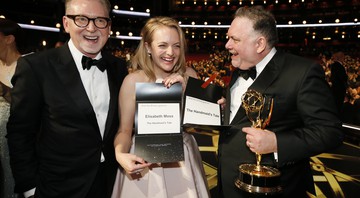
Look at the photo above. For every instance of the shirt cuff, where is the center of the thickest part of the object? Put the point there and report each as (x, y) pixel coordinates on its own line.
(276, 157)
(29, 193)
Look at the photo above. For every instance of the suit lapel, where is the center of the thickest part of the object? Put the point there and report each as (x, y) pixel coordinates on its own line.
(240, 115)
(113, 88)
(227, 107)
(70, 77)
(267, 76)
(262, 82)
(234, 76)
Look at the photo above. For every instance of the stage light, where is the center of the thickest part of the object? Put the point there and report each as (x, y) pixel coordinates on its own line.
(319, 25)
(131, 13)
(290, 25)
(128, 37)
(38, 27)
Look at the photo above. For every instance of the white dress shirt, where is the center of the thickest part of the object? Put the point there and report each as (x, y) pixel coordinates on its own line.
(96, 86)
(241, 85)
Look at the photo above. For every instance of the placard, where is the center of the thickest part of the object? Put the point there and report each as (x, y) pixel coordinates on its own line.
(158, 134)
(158, 118)
(200, 106)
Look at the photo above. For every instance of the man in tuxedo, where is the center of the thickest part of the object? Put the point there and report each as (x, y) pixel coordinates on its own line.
(64, 114)
(304, 119)
(338, 79)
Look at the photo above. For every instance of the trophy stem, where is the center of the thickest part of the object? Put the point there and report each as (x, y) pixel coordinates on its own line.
(256, 178)
(258, 159)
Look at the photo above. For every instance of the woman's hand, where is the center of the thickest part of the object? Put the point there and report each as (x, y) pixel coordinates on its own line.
(222, 102)
(131, 163)
(174, 78)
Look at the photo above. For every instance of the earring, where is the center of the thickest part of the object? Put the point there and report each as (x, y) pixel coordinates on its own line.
(149, 54)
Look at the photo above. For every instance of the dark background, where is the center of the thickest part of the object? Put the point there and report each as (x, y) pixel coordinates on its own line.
(296, 40)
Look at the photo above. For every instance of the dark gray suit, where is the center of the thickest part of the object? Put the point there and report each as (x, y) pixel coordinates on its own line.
(54, 139)
(304, 120)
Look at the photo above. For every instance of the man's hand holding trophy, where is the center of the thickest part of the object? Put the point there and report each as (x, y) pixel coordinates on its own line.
(257, 178)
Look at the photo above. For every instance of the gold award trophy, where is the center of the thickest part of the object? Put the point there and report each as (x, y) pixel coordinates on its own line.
(256, 178)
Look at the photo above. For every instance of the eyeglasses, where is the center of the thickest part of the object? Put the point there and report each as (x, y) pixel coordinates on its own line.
(83, 21)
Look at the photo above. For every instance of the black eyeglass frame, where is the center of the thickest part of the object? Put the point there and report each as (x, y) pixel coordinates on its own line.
(73, 17)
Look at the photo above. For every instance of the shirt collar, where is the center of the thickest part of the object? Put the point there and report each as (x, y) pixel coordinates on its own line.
(77, 55)
(261, 65)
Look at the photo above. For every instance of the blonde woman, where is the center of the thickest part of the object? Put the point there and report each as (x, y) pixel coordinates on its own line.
(160, 57)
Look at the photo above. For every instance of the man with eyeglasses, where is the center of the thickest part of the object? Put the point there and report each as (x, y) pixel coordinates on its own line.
(64, 112)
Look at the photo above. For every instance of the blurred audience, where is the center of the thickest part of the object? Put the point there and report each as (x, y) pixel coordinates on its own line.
(352, 95)
(218, 62)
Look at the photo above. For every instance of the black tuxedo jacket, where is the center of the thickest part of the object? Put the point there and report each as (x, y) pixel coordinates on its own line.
(304, 120)
(54, 139)
(338, 79)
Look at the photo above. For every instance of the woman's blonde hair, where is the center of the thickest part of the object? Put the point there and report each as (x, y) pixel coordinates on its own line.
(143, 61)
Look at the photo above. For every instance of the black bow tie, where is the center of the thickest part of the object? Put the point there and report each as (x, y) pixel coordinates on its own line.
(87, 63)
(248, 73)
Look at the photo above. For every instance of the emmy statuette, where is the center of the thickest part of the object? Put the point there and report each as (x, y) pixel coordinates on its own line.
(256, 178)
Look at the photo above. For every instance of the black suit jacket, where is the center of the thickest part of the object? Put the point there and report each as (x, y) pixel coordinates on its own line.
(304, 120)
(54, 139)
(338, 79)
